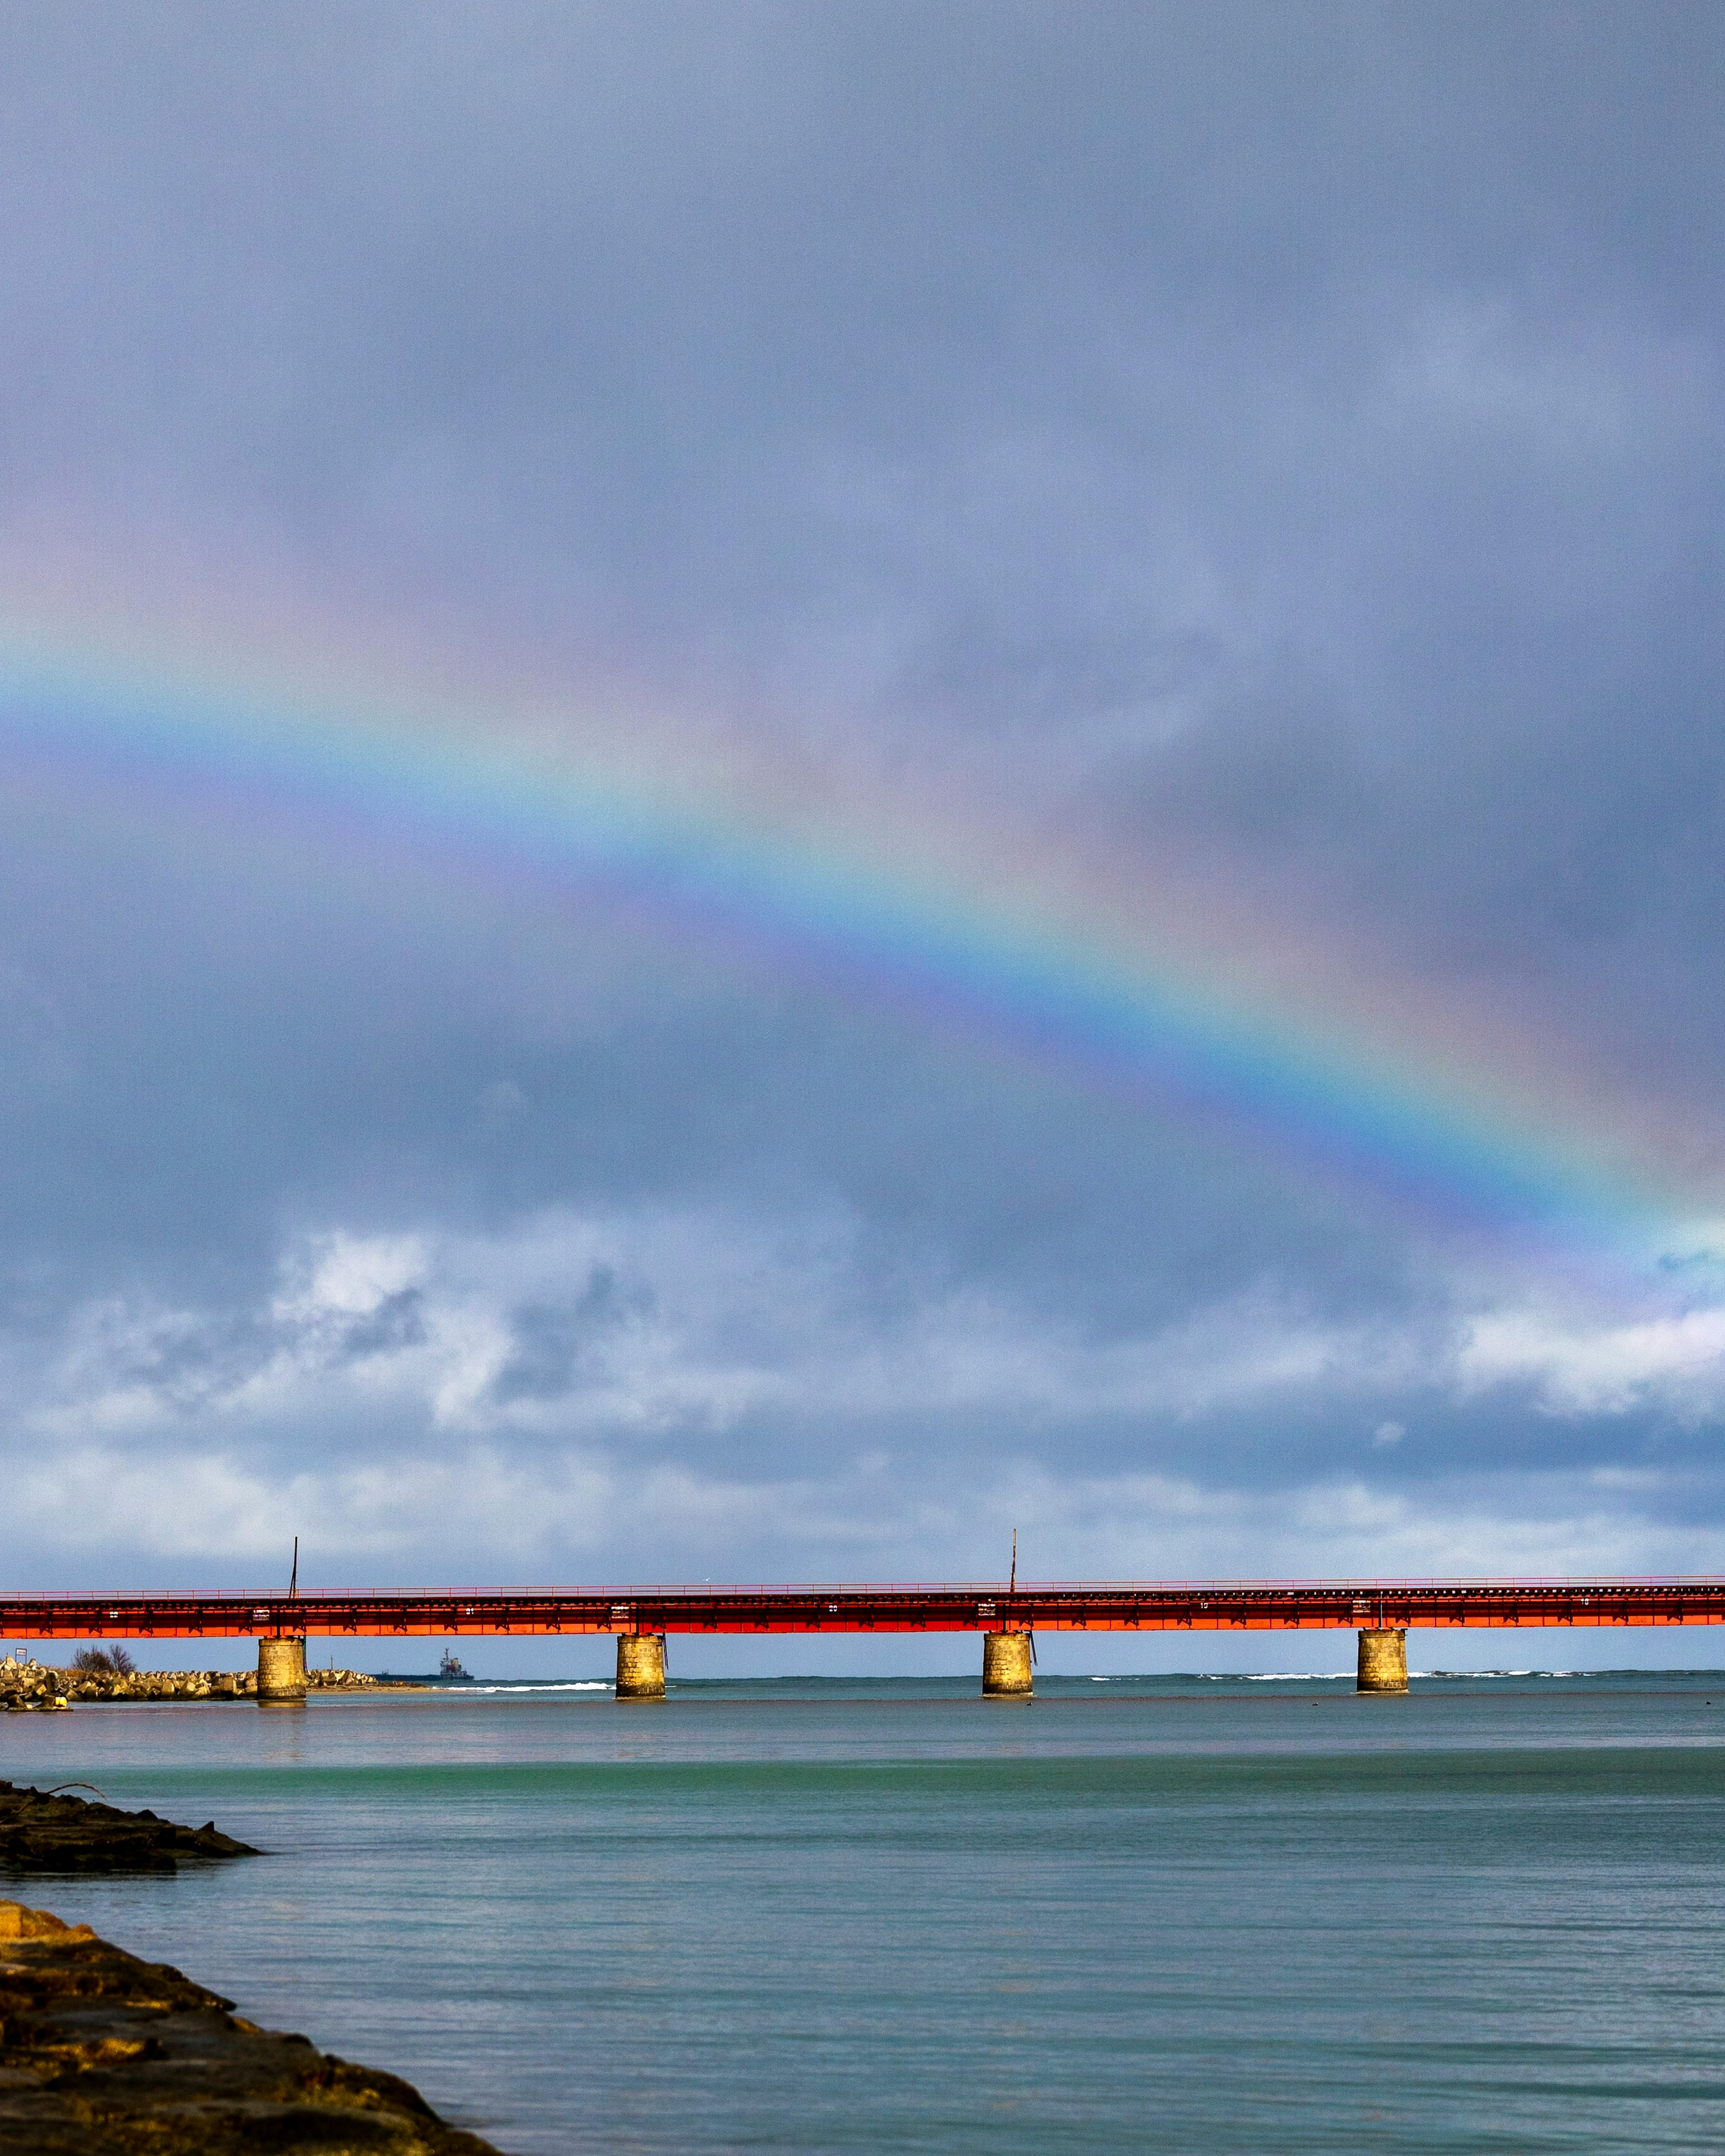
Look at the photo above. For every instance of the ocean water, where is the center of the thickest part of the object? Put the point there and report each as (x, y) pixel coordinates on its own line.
(1160, 1914)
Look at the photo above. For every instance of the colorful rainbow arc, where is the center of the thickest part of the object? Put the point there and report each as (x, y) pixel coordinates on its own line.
(1144, 1006)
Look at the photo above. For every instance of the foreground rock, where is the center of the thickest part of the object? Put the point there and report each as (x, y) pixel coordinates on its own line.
(104, 2055)
(45, 1831)
(26, 1687)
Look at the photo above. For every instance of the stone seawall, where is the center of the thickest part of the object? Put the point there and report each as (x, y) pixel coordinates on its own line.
(27, 1687)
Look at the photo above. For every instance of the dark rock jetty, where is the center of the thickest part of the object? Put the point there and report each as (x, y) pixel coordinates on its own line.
(104, 2055)
(46, 1830)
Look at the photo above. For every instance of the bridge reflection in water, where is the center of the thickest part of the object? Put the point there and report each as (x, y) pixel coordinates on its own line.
(1381, 1611)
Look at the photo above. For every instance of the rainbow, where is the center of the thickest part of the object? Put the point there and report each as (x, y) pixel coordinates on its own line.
(1157, 981)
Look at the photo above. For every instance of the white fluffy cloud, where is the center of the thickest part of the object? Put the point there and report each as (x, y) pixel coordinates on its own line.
(1608, 1367)
(586, 1392)
(582, 1327)
(1633, 1337)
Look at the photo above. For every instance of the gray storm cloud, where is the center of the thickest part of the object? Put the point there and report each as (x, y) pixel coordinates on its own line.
(1286, 435)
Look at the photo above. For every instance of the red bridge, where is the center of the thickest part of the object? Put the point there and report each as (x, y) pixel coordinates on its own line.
(1228, 1605)
(1380, 1611)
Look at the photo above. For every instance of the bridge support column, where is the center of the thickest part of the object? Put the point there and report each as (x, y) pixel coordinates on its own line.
(1006, 1665)
(281, 1672)
(640, 1665)
(1384, 1661)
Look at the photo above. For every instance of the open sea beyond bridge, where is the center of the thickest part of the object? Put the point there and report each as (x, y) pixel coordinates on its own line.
(1174, 1914)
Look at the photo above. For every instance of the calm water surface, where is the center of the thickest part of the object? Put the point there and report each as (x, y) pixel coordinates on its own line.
(1157, 1914)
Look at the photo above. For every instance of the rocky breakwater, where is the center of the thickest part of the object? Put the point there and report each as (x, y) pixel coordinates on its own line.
(28, 1687)
(50, 1830)
(104, 2055)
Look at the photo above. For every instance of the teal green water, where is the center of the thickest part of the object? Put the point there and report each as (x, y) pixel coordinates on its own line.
(1159, 1914)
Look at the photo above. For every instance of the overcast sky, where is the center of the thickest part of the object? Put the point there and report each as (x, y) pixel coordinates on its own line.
(1286, 437)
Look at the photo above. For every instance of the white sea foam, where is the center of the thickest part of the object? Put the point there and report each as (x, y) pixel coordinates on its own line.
(575, 1684)
(1232, 1676)
(1455, 1677)
(1275, 1676)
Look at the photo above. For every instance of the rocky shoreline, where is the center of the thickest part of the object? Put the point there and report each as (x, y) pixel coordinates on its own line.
(104, 2055)
(50, 1830)
(29, 1688)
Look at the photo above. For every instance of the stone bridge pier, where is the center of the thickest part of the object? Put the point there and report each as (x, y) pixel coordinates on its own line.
(1007, 1670)
(640, 1665)
(1384, 1661)
(281, 1672)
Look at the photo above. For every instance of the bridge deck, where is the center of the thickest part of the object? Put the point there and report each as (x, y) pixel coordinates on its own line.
(1094, 1606)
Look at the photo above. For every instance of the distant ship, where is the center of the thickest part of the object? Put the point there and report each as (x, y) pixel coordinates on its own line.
(449, 1667)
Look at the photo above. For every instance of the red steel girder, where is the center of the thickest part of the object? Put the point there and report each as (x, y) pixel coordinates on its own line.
(1096, 1606)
